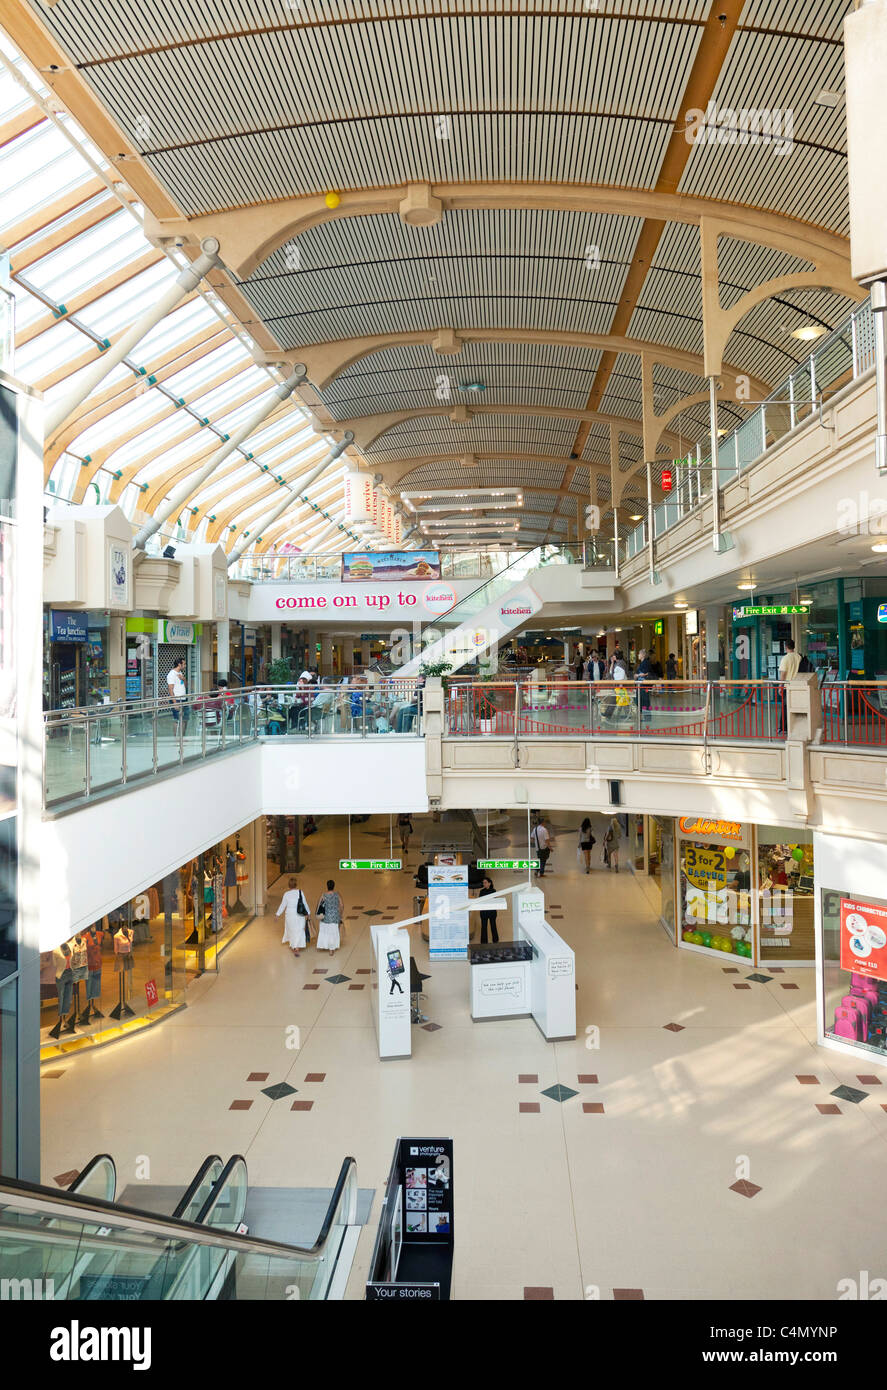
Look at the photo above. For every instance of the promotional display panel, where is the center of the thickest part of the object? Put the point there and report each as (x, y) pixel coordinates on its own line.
(854, 972)
(412, 1260)
(864, 939)
(362, 566)
(448, 911)
(391, 997)
(714, 897)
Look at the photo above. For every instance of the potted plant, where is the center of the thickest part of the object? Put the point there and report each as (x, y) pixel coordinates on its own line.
(280, 672)
(486, 711)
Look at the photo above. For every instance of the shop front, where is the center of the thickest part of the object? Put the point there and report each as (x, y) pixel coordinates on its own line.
(743, 890)
(132, 968)
(851, 931)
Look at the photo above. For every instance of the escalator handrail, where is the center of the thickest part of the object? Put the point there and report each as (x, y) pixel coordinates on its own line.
(74, 1186)
(483, 584)
(175, 1228)
(218, 1187)
(193, 1186)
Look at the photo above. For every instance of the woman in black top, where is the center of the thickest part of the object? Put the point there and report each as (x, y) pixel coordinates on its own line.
(487, 919)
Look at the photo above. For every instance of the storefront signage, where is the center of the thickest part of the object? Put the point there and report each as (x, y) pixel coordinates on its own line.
(691, 621)
(369, 863)
(518, 609)
(180, 633)
(697, 825)
(508, 863)
(67, 627)
(864, 938)
(768, 610)
(438, 598)
(151, 992)
(361, 566)
(882, 612)
(704, 866)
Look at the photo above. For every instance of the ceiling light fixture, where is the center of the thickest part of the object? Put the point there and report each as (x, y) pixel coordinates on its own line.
(880, 547)
(748, 585)
(472, 386)
(808, 331)
(828, 99)
(681, 604)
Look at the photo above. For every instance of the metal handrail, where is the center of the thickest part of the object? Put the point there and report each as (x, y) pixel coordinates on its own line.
(45, 1201)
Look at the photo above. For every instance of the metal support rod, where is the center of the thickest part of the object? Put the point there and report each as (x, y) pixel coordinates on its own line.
(650, 518)
(616, 542)
(179, 495)
(186, 281)
(713, 427)
(879, 323)
(270, 517)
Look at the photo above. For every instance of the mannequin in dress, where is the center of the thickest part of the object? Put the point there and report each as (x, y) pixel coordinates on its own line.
(94, 938)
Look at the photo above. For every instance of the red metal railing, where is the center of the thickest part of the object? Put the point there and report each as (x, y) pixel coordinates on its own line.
(855, 713)
(753, 711)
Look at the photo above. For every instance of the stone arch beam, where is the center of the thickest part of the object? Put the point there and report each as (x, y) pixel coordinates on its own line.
(249, 235)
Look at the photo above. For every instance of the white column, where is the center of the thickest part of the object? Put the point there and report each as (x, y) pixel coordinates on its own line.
(365, 656)
(223, 647)
(186, 488)
(712, 653)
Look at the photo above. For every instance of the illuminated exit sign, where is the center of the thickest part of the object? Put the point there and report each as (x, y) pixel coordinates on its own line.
(768, 610)
(369, 863)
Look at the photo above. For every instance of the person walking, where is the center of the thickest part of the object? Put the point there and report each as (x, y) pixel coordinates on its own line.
(671, 667)
(643, 673)
(404, 830)
(586, 842)
(612, 841)
(487, 919)
(175, 684)
(541, 842)
(330, 919)
(297, 913)
(596, 667)
(788, 669)
(579, 664)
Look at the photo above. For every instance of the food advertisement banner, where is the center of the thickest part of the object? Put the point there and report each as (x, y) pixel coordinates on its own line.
(364, 565)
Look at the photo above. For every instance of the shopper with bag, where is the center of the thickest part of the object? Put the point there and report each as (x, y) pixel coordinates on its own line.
(541, 843)
(330, 919)
(297, 918)
(612, 840)
(586, 844)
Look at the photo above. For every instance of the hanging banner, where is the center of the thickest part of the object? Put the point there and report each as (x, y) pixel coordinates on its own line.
(448, 912)
(358, 497)
(864, 938)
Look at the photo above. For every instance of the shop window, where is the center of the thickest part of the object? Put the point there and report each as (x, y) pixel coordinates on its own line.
(854, 963)
(715, 897)
(785, 876)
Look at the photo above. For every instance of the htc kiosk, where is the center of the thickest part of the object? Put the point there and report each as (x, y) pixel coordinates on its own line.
(412, 1259)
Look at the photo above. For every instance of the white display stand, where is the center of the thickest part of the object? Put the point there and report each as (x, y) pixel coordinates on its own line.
(552, 969)
(501, 990)
(391, 1001)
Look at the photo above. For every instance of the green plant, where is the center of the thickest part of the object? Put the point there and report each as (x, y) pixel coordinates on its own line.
(436, 668)
(280, 672)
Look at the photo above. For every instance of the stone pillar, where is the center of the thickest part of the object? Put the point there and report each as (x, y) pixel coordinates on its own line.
(223, 648)
(117, 656)
(326, 654)
(348, 655)
(365, 657)
(275, 642)
(712, 653)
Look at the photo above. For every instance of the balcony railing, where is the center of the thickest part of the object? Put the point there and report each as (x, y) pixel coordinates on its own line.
(275, 568)
(95, 750)
(842, 357)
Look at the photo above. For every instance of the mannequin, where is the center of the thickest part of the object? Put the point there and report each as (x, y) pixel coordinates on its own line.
(123, 968)
(94, 939)
(79, 972)
(64, 983)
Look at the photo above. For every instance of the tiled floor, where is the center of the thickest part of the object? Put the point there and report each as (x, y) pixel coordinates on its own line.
(703, 1098)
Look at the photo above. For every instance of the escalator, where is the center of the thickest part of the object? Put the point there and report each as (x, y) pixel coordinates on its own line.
(81, 1245)
(497, 608)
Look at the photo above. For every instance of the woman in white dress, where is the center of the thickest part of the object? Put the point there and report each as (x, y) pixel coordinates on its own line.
(330, 916)
(295, 907)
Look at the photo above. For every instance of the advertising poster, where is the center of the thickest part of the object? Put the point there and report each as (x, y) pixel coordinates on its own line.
(448, 912)
(365, 565)
(118, 579)
(864, 938)
(427, 1189)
